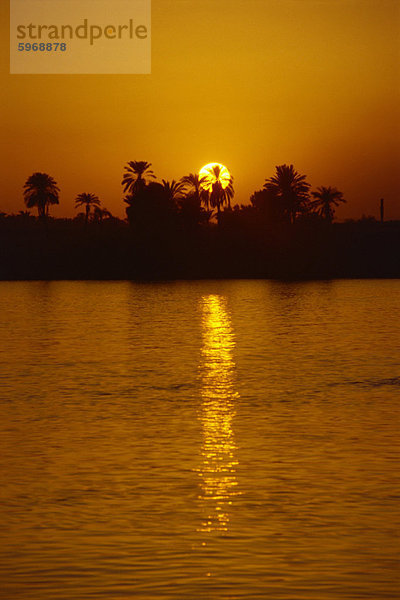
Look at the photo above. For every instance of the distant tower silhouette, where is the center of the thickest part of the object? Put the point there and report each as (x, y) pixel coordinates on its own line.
(382, 210)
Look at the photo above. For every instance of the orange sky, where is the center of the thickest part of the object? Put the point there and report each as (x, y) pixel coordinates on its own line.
(249, 83)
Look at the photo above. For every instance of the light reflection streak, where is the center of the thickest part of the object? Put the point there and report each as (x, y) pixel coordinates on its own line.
(218, 469)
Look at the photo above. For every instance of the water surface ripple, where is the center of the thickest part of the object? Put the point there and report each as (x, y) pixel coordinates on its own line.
(199, 440)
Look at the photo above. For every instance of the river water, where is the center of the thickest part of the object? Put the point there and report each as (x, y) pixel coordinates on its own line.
(199, 440)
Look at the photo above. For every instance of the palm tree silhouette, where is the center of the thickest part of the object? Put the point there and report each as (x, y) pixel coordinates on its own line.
(194, 182)
(41, 190)
(87, 200)
(220, 196)
(194, 185)
(326, 199)
(136, 173)
(173, 190)
(291, 189)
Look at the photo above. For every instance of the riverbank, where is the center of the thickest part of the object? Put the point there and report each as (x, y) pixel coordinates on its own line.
(64, 249)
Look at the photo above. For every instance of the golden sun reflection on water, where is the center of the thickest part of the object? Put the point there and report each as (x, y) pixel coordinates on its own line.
(218, 469)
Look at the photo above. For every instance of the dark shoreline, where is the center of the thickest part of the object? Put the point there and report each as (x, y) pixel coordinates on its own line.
(62, 249)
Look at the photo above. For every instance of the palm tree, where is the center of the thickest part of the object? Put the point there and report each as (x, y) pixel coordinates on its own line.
(136, 173)
(88, 201)
(194, 185)
(173, 190)
(326, 198)
(221, 194)
(194, 182)
(190, 206)
(291, 189)
(41, 190)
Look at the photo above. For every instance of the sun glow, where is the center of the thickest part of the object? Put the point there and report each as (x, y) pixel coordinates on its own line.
(214, 172)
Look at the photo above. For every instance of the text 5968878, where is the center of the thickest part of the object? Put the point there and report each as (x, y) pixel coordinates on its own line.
(42, 47)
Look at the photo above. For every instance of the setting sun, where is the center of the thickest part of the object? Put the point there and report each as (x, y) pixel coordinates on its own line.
(214, 172)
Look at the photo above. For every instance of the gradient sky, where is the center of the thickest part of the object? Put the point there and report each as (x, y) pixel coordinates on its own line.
(249, 83)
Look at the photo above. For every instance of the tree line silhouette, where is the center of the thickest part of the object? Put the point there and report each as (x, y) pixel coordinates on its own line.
(189, 228)
(285, 196)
